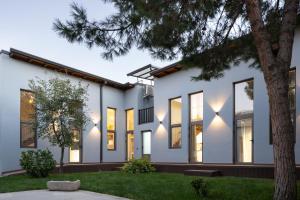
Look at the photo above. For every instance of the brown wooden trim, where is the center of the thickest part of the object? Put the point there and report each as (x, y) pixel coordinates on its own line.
(42, 62)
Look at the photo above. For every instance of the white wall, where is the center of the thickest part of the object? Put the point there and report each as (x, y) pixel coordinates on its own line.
(114, 98)
(14, 76)
(134, 99)
(218, 96)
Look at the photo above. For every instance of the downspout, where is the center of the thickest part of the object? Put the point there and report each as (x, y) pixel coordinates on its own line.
(101, 123)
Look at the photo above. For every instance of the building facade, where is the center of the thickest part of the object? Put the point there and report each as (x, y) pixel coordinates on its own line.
(223, 121)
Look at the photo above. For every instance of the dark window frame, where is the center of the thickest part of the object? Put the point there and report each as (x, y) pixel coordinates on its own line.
(27, 123)
(195, 123)
(146, 115)
(171, 126)
(235, 160)
(111, 131)
(128, 131)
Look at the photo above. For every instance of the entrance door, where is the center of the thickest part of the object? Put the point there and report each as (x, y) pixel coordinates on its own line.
(130, 146)
(146, 149)
(75, 149)
(196, 143)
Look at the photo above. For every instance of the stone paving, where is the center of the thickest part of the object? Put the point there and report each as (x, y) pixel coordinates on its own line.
(50, 195)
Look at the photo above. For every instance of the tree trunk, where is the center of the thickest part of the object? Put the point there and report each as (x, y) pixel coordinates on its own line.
(283, 136)
(275, 68)
(61, 163)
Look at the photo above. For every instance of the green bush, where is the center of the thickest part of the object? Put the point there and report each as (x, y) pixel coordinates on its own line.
(200, 187)
(138, 166)
(37, 163)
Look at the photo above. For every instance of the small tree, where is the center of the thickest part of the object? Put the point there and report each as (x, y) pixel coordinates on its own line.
(59, 110)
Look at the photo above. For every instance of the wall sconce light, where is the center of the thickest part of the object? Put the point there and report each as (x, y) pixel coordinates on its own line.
(160, 122)
(217, 113)
(95, 125)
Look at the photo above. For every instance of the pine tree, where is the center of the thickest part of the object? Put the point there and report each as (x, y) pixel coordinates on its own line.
(212, 35)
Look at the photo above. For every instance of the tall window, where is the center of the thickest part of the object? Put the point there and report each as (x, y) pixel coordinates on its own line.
(28, 117)
(111, 128)
(175, 123)
(130, 120)
(292, 101)
(196, 126)
(130, 133)
(243, 120)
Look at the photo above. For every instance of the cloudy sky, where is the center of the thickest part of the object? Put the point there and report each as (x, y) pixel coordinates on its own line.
(27, 26)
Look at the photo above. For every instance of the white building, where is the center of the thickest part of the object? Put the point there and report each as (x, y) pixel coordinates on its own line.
(224, 121)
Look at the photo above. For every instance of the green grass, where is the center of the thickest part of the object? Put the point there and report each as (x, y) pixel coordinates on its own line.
(150, 186)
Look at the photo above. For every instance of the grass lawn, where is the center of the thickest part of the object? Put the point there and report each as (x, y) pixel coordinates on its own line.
(150, 186)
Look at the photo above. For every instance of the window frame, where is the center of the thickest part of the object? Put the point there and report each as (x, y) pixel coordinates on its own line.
(195, 123)
(28, 123)
(171, 126)
(235, 155)
(111, 131)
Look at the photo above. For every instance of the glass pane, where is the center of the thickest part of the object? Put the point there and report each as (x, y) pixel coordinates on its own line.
(176, 111)
(28, 135)
(147, 142)
(197, 143)
(244, 140)
(196, 107)
(27, 106)
(130, 146)
(176, 137)
(243, 116)
(130, 120)
(75, 147)
(111, 119)
(111, 141)
(244, 97)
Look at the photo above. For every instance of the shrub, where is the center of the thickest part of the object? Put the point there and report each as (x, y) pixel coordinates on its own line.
(138, 166)
(37, 163)
(200, 187)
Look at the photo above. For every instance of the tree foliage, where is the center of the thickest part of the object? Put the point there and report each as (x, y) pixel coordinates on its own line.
(209, 34)
(59, 108)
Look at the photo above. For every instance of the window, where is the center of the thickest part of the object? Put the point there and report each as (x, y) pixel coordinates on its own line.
(175, 123)
(196, 126)
(130, 133)
(130, 120)
(146, 115)
(28, 119)
(292, 101)
(111, 128)
(243, 114)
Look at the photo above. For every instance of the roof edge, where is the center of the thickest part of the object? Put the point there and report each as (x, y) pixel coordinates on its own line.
(42, 62)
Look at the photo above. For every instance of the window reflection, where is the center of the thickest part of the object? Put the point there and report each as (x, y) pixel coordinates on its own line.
(244, 120)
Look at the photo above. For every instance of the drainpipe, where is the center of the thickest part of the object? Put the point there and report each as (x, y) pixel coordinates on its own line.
(101, 123)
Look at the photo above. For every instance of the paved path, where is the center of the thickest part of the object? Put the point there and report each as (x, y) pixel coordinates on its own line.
(48, 195)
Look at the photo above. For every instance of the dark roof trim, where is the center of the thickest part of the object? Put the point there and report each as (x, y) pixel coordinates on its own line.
(32, 59)
(170, 69)
(143, 72)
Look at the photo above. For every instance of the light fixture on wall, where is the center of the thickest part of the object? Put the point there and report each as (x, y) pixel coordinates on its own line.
(95, 125)
(160, 122)
(217, 113)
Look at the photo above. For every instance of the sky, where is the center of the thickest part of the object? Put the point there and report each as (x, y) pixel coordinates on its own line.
(27, 25)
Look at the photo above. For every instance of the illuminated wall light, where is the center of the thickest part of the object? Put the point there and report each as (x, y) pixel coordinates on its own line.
(160, 122)
(217, 113)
